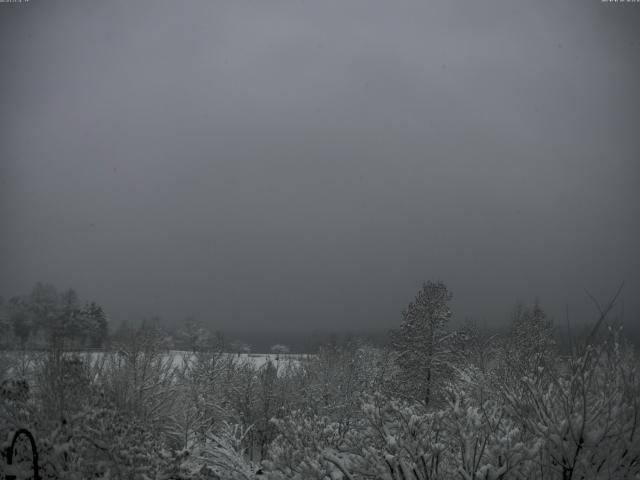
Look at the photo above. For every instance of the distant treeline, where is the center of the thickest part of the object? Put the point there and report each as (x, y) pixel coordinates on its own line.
(47, 315)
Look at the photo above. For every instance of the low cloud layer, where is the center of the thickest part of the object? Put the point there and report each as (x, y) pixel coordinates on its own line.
(306, 165)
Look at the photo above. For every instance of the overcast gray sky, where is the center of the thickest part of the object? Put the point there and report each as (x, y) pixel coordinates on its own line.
(307, 164)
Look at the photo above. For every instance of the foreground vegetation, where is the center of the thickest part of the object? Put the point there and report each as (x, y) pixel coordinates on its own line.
(435, 404)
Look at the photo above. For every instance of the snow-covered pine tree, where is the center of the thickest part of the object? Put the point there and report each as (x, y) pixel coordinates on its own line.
(97, 325)
(421, 341)
(530, 344)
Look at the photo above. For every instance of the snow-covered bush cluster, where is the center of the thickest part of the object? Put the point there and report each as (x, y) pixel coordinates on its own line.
(435, 404)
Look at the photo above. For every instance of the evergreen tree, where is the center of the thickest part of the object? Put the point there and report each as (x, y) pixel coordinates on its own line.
(530, 343)
(97, 324)
(420, 343)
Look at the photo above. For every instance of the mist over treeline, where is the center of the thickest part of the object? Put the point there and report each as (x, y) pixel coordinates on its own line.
(304, 166)
(47, 314)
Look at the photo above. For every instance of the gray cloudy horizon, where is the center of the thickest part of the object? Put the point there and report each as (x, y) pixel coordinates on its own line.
(307, 165)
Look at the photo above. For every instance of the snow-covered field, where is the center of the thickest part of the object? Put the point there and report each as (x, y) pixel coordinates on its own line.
(258, 360)
(12, 362)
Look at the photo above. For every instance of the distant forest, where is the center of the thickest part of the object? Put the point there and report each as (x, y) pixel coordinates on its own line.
(46, 313)
(429, 402)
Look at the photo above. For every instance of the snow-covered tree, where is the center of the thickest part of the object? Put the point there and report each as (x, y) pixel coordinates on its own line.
(422, 342)
(528, 350)
(531, 338)
(587, 414)
(20, 320)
